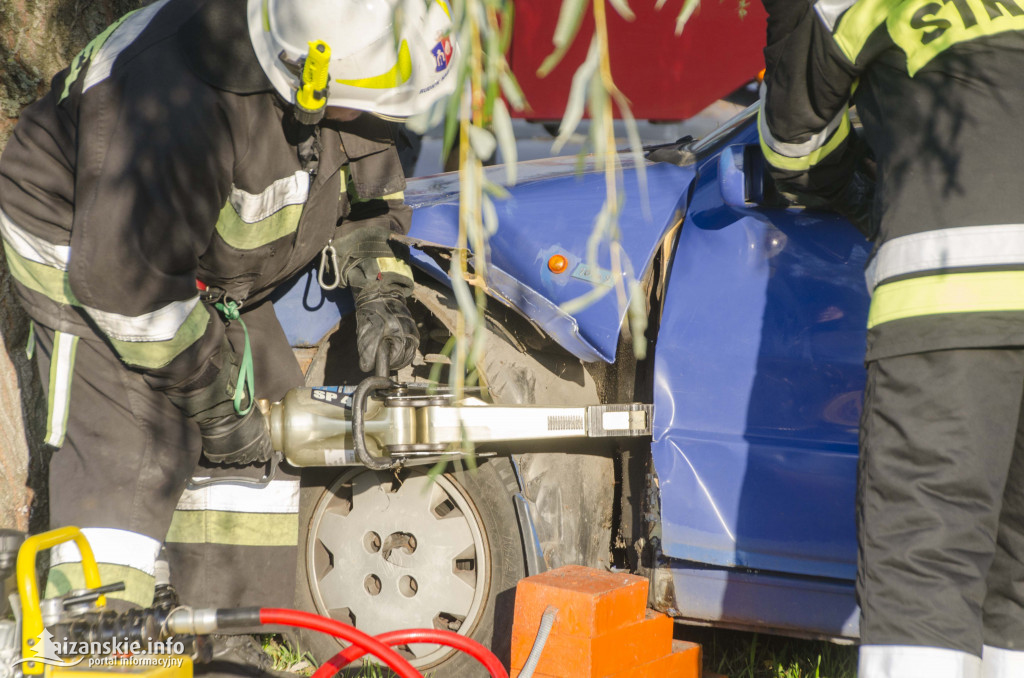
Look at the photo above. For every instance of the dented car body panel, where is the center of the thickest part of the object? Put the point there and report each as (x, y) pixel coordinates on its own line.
(756, 372)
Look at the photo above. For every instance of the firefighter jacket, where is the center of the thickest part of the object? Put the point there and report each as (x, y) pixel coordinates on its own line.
(939, 90)
(162, 156)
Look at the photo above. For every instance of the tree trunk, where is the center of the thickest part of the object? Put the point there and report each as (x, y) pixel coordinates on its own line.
(37, 39)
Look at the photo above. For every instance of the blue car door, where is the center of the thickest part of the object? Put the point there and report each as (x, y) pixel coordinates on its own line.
(758, 384)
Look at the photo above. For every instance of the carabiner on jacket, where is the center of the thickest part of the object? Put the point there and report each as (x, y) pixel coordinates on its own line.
(328, 262)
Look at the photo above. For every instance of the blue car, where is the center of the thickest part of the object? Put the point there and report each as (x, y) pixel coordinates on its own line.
(739, 508)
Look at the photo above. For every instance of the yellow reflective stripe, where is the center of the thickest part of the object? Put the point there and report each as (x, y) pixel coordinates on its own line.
(68, 577)
(86, 54)
(808, 161)
(925, 28)
(444, 6)
(947, 293)
(234, 528)
(858, 23)
(398, 75)
(266, 17)
(58, 400)
(348, 186)
(394, 265)
(245, 236)
(155, 354)
(46, 280)
(30, 345)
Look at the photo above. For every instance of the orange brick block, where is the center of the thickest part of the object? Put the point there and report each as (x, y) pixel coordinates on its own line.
(590, 602)
(684, 662)
(598, 656)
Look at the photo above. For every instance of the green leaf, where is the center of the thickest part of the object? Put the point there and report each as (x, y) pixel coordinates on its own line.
(451, 120)
(688, 9)
(496, 191)
(502, 125)
(569, 19)
(636, 149)
(638, 319)
(578, 96)
(490, 217)
(511, 89)
(506, 21)
(600, 119)
(482, 142)
(622, 7)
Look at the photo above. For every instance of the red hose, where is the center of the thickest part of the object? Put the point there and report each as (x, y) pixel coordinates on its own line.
(367, 643)
(436, 636)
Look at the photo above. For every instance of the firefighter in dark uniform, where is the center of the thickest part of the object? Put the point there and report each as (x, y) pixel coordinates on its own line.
(939, 88)
(175, 174)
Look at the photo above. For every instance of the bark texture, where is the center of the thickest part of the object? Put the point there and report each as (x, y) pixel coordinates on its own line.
(37, 39)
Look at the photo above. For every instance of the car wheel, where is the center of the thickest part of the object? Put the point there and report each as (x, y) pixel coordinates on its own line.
(386, 551)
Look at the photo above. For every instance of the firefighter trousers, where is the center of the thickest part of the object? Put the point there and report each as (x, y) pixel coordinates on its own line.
(940, 513)
(122, 473)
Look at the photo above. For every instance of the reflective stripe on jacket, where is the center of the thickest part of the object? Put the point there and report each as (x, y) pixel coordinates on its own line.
(161, 156)
(938, 91)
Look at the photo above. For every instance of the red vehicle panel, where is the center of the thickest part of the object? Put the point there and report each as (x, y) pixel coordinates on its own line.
(665, 77)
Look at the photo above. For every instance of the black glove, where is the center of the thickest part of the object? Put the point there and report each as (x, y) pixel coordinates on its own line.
(380, 286)
(383, 322)
(228, 437)
(854, 200)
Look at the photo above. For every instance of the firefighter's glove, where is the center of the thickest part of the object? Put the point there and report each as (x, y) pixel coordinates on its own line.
(383, 322)
(380, 286)
(854, 200)
(228, 436)
(236, 439)
(856, 203)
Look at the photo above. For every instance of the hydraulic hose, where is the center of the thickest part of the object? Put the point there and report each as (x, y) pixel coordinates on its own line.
(436, 636)
(362, 392)
(314, 622)
(547, 620)
(199, 622)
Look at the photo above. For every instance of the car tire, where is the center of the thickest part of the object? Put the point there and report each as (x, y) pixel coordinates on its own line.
(350, 570)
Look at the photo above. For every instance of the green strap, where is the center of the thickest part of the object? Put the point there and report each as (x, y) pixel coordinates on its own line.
(246, 380)
(30, 347)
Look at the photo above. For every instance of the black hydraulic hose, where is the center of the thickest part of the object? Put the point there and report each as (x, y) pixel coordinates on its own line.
(367, 386)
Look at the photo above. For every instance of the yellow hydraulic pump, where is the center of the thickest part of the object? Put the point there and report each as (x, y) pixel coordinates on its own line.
(74, 636)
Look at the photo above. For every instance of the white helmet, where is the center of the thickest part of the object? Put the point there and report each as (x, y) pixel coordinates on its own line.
(393, 58)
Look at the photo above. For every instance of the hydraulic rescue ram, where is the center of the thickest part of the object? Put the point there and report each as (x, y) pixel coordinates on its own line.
(381, 424)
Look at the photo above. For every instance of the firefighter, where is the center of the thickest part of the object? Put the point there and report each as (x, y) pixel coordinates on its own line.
(938, 87)
(184, 165)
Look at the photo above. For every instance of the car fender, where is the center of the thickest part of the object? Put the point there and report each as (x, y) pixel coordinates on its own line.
(552, 211)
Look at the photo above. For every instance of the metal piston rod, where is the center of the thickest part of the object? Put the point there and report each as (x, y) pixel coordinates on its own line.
(314, 427)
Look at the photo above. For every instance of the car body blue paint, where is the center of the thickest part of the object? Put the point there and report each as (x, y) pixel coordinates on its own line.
(552, 210)
(306, 312)
(762, 600)
(758, 372)
(758, 381)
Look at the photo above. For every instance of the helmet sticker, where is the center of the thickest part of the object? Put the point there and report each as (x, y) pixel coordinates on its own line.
(442, 52)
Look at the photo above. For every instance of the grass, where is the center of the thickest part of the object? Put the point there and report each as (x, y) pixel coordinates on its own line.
(727, 653)
(290, 660)
(752, 655)
(286, 658)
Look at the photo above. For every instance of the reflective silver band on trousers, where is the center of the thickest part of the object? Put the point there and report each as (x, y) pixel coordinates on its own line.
(963, 247)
